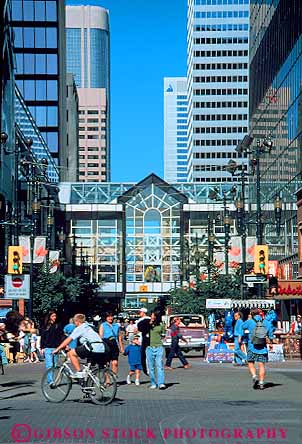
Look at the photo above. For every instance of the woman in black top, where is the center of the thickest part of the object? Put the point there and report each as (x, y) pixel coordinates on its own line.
(51, 337)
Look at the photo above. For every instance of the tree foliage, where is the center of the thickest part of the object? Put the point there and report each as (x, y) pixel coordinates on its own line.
(193, 299)
(53, 291)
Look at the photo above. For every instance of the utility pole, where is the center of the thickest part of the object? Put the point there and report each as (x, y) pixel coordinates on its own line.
(226, 223)
(211, 240)
(259, 234)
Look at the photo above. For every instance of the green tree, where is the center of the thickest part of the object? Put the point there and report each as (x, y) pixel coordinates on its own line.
(193, 300)
(53, 291)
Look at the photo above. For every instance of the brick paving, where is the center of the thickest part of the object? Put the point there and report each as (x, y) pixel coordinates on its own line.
(205, 396)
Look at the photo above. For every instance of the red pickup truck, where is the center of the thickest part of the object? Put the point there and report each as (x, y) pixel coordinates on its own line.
(193, 328)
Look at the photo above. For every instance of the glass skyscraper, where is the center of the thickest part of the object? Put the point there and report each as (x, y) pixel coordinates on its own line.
(175, 129)
(217, 59)
(87, 46)
(40, 65)
(276, 112)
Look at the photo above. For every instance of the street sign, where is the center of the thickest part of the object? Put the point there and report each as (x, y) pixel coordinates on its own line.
(17, 287)
(218, 303)
(255, 278)
(17, 282)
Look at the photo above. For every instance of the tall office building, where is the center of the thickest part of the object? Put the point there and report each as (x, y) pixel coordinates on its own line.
(175, 129)
(39, 28)
(71, 172)
(217, 72)
(275, 111)
(87, 44)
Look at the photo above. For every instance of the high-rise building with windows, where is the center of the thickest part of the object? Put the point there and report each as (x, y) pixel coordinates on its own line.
(175, 129)
(275, 112)
(39, 30)
(87, 43)
(217, 73)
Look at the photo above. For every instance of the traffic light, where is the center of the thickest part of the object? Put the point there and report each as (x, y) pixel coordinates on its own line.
(14, 263)
(261, 259)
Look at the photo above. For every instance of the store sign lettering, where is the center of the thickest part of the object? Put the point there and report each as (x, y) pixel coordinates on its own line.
(290, 290)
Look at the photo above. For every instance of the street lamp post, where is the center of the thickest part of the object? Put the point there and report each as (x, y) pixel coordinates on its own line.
(62, 239)
(261, 148)
(227, 221)
(278, 213)
(211, 241)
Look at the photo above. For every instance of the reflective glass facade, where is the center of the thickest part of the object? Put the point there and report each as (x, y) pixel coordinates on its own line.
(40, 68)
(87, 49)
(73, 55)
(27, 126)
(275, 108)
(140, 238)
(93, 50)
(6, 114)
(99, 50)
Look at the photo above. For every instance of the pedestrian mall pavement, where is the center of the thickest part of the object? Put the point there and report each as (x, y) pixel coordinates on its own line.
(206, 396)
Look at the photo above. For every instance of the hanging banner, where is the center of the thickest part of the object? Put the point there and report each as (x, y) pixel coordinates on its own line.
(219, 261)
(53, 261)
(235, 251)
(273, 268)
(250, 248)
(24, 242)
(39, 250)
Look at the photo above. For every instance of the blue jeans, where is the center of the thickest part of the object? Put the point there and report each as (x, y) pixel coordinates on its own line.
(239, 355)
(49, 360)
(3, 355)
(175, 351)
(155, 361)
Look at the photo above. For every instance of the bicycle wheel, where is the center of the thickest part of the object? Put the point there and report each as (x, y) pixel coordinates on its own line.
(101, 386)
(56, 384)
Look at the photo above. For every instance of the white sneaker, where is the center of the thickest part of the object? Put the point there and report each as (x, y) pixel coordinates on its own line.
(128, 379)
(137, 382)
(152, 386)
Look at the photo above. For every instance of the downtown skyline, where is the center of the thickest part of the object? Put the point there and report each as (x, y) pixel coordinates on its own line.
(148, 43)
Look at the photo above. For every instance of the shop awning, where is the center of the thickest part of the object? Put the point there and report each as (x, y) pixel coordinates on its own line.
(240, 303)
(254, 303)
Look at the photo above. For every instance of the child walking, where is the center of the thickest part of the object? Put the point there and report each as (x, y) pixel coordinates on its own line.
(134, 352)
(33, 345)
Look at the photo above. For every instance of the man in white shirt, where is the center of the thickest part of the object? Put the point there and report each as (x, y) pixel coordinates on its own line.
(91, 346)
(143, 327)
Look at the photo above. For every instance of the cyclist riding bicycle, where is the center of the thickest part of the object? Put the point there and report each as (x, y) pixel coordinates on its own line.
(92, 346)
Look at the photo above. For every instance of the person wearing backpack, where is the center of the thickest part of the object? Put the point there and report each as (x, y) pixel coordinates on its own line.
(260, 334)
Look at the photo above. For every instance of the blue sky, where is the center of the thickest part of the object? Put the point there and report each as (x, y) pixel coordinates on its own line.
(148, 43)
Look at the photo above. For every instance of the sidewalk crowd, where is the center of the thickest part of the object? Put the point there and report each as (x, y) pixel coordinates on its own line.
(21, 340)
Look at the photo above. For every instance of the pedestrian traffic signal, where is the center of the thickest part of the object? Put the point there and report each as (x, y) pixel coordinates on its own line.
(273, 285)
(14, 262)
(261, 259)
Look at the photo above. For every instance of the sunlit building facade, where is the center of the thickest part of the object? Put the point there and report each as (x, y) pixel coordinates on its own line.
(217, 73)
(139, 240)
(175, 129)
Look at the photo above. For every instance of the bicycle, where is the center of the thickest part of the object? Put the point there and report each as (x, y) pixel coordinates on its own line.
(99, 385)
